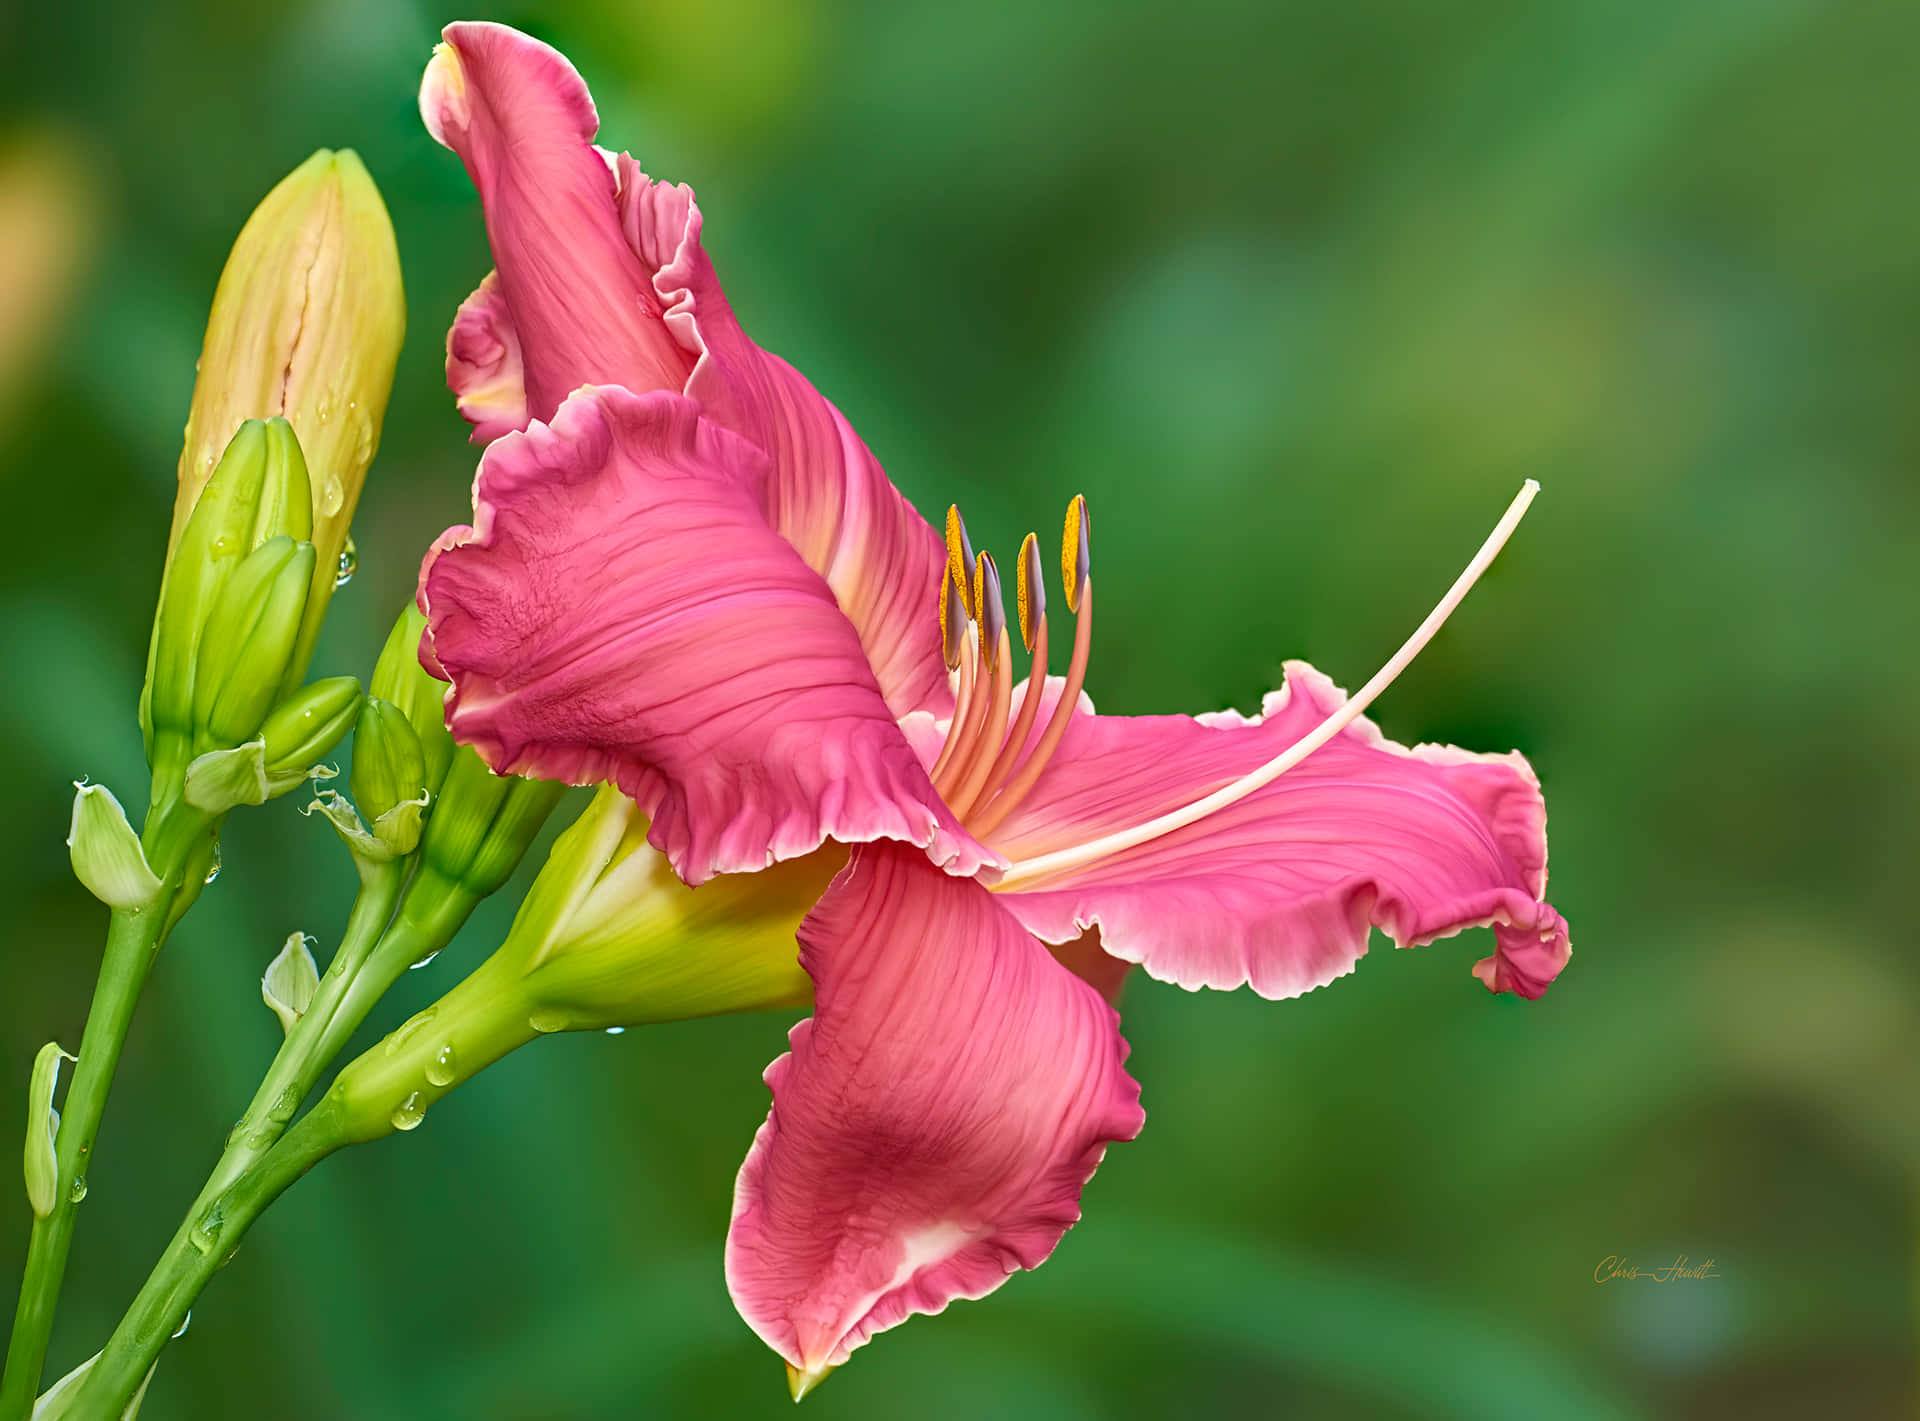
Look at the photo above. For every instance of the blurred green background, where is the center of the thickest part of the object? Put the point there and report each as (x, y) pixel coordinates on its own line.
(1297, 294)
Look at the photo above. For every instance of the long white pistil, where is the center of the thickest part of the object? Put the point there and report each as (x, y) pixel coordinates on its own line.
(1026, 870)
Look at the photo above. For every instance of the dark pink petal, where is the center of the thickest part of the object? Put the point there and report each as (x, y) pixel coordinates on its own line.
(483, 364)
(1278, 890)
(522, 121)
(935, 1121)
(828, 495)
(621, 611)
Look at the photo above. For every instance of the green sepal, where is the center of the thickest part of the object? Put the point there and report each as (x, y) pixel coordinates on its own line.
(43, 1130)
(483, 823)
(290, 981)
(106, 853)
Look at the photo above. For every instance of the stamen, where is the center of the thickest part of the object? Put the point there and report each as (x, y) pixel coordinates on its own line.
(960, 559)
(953, 619)
(1042, 865)
(972, 766)
(1031, 589)
(1076, 567)
(962, 704)
(1076, 550)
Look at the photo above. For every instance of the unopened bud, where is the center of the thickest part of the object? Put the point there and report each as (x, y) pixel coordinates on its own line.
(483, 823)
(258, 492)
(388, 768)
(248, 639)
(43, 1130)
(400, 678)
(106, 853)
(306, 323)
(286, 753)
(290, 981)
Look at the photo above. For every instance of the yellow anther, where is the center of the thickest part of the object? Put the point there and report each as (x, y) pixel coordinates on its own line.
(953, 616)
(960, 561)
(1030, 590)
(993, 608)
(1075, 551)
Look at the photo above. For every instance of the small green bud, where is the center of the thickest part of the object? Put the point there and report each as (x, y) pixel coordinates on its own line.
(43, 1129)
(400, 678)
(106, 853)
(59, 1401)
(290, 981)
(258, 492)
(248, 639)
(388, 767)
(297, 733)
(304, 728)
(483, 823)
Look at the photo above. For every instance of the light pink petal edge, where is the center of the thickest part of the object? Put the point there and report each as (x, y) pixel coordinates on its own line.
(1278, 891)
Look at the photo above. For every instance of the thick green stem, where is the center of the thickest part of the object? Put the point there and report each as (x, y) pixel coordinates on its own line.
(388, 1088)
(174, 842)
(203, 1244)
(305, 1053)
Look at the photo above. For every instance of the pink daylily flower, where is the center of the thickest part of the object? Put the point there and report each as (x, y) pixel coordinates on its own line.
(687, 575)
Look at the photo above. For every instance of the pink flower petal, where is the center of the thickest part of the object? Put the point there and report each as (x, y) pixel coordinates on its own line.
(522, 121)
(935, 1121)
(1278, 890)
(621, 611)
(828, 495)
(484, 370)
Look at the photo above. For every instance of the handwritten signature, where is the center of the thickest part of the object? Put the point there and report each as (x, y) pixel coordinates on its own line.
(1613, 1266)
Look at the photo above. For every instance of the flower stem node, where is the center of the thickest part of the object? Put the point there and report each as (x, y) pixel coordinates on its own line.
(290, 981)
(106, 853)
(43, 1128)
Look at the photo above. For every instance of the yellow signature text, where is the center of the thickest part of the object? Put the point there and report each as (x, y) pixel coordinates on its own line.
(1682, 1268)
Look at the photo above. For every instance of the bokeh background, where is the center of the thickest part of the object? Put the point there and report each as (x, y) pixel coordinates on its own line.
(1297, 294)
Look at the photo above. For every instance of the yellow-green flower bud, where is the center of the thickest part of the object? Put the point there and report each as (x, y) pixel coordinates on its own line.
(106, 853)
(248, 640)
(306, 323)
(483, 823)
(389, 770)
(297, 733)
(400, 678)
(258, 492)
(43, 1129)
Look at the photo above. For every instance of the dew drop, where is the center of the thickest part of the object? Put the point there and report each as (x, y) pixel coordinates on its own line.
(284, 1106)
(206, 1231)
(548, 1021)
(440, 1068)
(213, 869)
(616, 1031)
(408, 1113)
(185, 1323)
(79, 1190)
(349, 560)
(333, 494)
(424, 961)
(407, 1030)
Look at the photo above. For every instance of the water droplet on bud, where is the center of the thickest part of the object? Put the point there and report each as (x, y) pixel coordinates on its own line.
(79, 1190)
(548, 1021)
(349, 561)
(440, 1068)
(408, 1113)
(213, 869)
(185, 1323)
